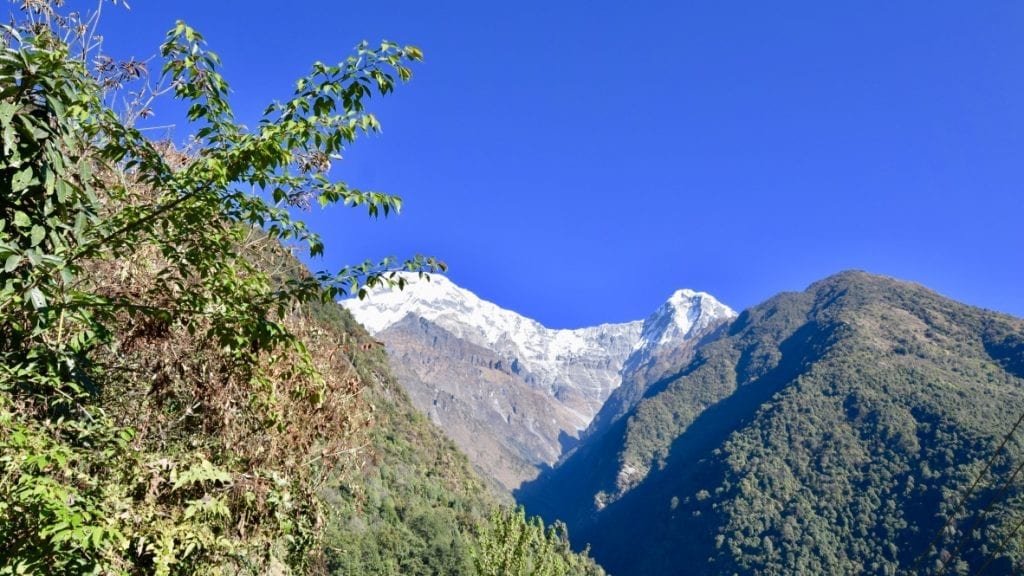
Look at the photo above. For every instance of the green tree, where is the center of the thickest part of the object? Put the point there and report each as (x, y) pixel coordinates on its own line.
(512, 545)
(160, 410)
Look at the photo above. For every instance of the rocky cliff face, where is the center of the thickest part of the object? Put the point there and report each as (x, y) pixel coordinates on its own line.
(480, 399)
(512, 393)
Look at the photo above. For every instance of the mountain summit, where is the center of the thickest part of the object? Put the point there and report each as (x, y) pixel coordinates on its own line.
(668, 340)
(684, 314)
(578, 367)
(511, 392)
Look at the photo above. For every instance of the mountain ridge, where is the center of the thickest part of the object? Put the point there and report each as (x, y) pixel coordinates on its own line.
(574, 370)
(824, 431)
(544, 352)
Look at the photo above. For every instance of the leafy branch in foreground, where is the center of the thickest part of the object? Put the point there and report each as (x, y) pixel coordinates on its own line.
(512, 545)
(165, 406)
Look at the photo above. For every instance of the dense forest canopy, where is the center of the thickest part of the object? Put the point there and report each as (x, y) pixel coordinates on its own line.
(865, 425)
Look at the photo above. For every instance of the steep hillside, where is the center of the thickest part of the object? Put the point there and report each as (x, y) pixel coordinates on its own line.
(178, 396)
(413, 505)
(830, 431)
(167, 404)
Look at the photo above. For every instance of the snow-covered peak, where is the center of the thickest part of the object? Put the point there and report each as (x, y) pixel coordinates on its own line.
(465, 314)
(584, 364)
(543, 350)
(683, 314)
(428, 298)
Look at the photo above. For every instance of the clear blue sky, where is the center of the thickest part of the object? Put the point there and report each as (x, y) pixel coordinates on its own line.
(577, 161)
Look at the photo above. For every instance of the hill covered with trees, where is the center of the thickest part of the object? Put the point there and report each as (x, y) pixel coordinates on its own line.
(865, 425)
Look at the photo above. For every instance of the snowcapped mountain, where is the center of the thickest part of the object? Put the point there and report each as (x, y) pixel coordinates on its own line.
(570, 365)
(685, 314)
(513, 394)
(667, 342)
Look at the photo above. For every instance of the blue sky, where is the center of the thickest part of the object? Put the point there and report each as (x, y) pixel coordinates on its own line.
(578, 161)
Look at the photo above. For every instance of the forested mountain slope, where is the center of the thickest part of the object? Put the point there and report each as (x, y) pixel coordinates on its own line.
(830, 431)
(415, 506)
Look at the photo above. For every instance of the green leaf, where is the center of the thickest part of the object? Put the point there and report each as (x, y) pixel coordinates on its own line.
(38, 233)
(12, 262)
(7, 111)
(62, 190)
(22, 179)
(413, 53)
(81, 221)
(21, 220)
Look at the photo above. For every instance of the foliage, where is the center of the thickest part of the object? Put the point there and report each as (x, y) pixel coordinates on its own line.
(512, 545)
(166, 402)
(411, 507)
